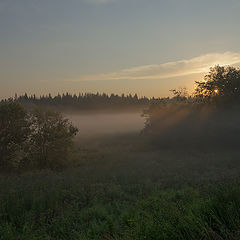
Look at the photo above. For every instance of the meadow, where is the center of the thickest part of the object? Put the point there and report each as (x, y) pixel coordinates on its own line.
(169, 172)
(119, 120)
(121, 187)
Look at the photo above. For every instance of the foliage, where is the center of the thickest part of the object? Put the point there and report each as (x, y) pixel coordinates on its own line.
(51, 136)
(221, 83)
(180, 94)
(38, 138)
(193, 125)
(14, 133)
(209, 118)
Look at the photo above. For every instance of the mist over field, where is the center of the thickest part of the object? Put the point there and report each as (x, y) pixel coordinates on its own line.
(119, 120)
(102, 167)
(92, 124)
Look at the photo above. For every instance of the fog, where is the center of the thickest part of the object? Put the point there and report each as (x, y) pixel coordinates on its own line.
(92, 124)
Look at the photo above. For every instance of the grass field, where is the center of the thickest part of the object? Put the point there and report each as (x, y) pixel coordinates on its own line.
(121, 189)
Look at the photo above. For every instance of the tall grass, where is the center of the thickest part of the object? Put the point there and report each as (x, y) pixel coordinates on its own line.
(53, 208)
(121, 189)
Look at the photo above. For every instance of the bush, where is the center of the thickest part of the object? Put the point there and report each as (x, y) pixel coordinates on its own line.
(51, 138)
(193, 126)
(210, 118)
(39, 138)
(14, 132)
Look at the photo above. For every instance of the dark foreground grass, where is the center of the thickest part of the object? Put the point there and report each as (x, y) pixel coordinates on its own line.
(117, 191)
(53, 209)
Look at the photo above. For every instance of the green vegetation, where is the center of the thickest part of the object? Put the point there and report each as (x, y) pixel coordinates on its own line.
(123, 191)
(208, 119)
(176, 180)
(14, 131)
(41, 139)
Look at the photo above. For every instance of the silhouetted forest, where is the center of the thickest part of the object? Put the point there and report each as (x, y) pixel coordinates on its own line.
(84, 101)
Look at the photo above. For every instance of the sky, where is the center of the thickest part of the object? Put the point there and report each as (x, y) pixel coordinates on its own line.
(114, 46)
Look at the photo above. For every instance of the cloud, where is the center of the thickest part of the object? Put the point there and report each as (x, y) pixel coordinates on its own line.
(195, 65)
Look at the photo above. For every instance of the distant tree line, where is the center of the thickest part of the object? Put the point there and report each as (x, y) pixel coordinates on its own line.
(221, 84)
(83, 101)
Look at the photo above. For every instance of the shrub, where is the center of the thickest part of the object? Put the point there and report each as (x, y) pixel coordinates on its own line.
(14, 133)
(51, 138)
(39, 138)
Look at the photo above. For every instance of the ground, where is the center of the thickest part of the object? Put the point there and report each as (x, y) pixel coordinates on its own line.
(120, 188)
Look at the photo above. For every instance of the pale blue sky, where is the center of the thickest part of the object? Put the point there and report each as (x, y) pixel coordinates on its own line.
(115, 45)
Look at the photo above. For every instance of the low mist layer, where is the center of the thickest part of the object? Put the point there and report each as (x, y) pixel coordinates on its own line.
(90, 124)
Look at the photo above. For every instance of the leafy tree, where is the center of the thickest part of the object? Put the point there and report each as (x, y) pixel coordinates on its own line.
(39, 138)
(180, 94)
(221, 83)
(14, 132)
(51, 138)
